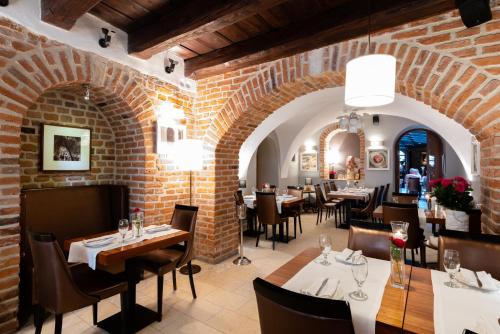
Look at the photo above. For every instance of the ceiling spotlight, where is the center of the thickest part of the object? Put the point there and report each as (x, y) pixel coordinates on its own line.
(4, 3)
(106, 40)
(86, 95)
(170, 68)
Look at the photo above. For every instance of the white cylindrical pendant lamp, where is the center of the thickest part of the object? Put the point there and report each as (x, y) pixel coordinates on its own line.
(370, 81)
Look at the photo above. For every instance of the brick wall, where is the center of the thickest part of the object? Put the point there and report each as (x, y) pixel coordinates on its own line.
(66, 108)
(439, 62)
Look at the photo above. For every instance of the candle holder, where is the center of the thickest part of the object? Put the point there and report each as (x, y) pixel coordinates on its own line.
(241, 211)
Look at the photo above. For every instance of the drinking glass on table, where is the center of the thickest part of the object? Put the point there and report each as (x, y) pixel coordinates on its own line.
(325, 243)
(359, 270)
(123, 228)
(451, 262)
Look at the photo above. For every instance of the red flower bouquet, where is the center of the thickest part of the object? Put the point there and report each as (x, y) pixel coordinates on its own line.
(452, 193)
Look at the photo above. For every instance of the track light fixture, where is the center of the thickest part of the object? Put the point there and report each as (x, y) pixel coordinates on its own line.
(170, 68)
(4, 3)
(106, 40)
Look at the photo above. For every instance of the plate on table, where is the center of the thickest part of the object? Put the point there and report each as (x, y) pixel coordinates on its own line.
(101, 242)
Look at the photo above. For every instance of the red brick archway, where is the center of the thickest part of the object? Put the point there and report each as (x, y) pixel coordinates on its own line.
(324, 145)
(456, 88)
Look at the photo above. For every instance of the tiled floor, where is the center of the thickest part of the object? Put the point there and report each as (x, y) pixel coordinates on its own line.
(226, 301)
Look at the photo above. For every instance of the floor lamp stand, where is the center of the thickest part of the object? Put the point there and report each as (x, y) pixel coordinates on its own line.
(241, 260)
(196, 268)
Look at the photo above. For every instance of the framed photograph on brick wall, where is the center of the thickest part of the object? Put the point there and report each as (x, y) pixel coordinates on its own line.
(65, 148)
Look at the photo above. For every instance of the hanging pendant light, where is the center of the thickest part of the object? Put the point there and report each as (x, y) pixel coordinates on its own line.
(371, 79)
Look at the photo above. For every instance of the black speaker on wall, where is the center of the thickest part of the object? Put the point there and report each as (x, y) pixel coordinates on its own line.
(474, 12)
(376, 120)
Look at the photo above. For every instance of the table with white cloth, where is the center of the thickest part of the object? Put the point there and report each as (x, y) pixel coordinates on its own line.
(424, 217)
(349, 195)
(116, 254)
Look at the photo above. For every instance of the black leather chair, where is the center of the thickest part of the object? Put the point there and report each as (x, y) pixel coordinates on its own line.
(371, 238)
(283, 311)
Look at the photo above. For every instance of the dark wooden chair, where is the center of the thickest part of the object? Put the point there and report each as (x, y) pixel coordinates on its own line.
(403, 198)
(295, 212)
(367, 211)
(328, 207)
(267, 212)
(283, 311)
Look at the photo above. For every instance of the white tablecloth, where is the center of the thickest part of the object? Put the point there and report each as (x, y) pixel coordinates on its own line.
(78, 253)
(362, 193)
(458, 308)
(250, 201)
(364, 313)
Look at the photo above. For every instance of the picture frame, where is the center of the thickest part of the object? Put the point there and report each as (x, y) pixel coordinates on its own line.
(65, 148)
(168, 132)
(309, 161)
(378, 159)
(475, 158)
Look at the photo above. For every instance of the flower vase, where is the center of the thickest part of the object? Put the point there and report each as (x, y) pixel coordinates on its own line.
(397, 267)
(456, 220)
(137, 221)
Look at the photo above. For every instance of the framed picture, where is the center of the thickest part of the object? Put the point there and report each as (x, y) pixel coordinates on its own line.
(168, 132)
(65, 148)
(377, 159)
(309, 161)
(475, 161)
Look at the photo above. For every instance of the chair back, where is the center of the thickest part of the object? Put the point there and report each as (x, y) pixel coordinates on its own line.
(386, 191)
(295, 192)
(413, 185)
(238, 197)
(370, 207)
(283, 311)
(406, 213)
(267, 208)
(477, 252)
(320, 198)
(380, 195)
(333, 186)
(56, 290)
(402, 198)
(184, 218)
(373, 239)
(326, 186)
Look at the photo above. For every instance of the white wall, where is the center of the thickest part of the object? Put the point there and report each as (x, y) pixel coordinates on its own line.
(268, 166)
(85, 35)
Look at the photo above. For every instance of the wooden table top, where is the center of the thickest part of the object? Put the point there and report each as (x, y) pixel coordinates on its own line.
(391, 313)
(419, 314)
(120, 254)
(431, 216)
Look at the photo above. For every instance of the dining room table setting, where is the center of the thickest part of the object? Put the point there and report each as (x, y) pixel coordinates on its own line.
(457, 300)
(350, 194)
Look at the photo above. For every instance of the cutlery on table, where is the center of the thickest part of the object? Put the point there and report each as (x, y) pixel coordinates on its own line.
(349, 257)
(322, 286)
(89, 241)
(479, 284)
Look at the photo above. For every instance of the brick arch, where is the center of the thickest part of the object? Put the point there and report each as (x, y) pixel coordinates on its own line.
(455, 87)
(324, 145)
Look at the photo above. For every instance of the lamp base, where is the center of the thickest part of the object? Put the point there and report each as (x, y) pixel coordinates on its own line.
(241, 261)
(185, 271)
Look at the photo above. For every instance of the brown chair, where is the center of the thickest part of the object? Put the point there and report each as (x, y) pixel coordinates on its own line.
(283, 311)
(333, 186)
(322, 204)
(407, 213)
(367, 211)
(251, 221)
(267, 212)
(386, 191)
(296, 211)
(413, 186)
(477, 252)
(62, 289)
(372, 239)
(402, 198)
(162, 261)
(380, 195)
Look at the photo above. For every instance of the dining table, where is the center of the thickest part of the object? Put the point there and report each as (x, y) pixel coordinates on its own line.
(350, 195)
(413, 310)
(138, 316)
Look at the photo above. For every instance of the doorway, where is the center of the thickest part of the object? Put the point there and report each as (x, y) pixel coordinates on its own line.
(418, 159)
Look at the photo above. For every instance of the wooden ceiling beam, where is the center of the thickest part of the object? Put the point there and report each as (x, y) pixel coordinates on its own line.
(338, 24)
(186, 20)
(64, 13)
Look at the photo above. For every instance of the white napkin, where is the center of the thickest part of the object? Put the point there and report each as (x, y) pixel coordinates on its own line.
(156, 228)
(342, 257)
(467, 276)
(99, 240)
(328, 290)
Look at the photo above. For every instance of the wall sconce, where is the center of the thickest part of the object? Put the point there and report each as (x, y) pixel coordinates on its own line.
(106, 40)
(376, 143)
(309, 145)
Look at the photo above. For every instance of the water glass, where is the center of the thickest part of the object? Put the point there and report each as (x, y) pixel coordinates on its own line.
(451, 262)
(359, 270)
(325, 244)
(123, 228)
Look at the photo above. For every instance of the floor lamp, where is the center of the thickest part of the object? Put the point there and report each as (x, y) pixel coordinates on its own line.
(189, 157)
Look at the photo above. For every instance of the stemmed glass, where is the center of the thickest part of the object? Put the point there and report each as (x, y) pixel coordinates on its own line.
(451, 262)
(325, 243)
(123, 228)
(359, 270)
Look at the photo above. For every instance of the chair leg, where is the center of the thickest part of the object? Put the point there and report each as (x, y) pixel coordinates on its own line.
(58, 326)
(38, 319)
(274, 234)
(94, 314)
(295, 226)
(174, 279)
(159, 296)
(258, 235)
(423, 260)
(321, 215)
(191, 281)
(336, 221)
(286, 231)
(317, 217)
(300, 224)
(412, 257)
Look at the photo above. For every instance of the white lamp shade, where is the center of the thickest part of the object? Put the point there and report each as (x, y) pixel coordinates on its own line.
(189, 154)
(370, 81)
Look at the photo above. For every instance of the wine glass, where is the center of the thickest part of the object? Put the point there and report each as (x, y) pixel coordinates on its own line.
(123, 228)
(451, 262)
(359, 270)
(285, 191)
(325, 243)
